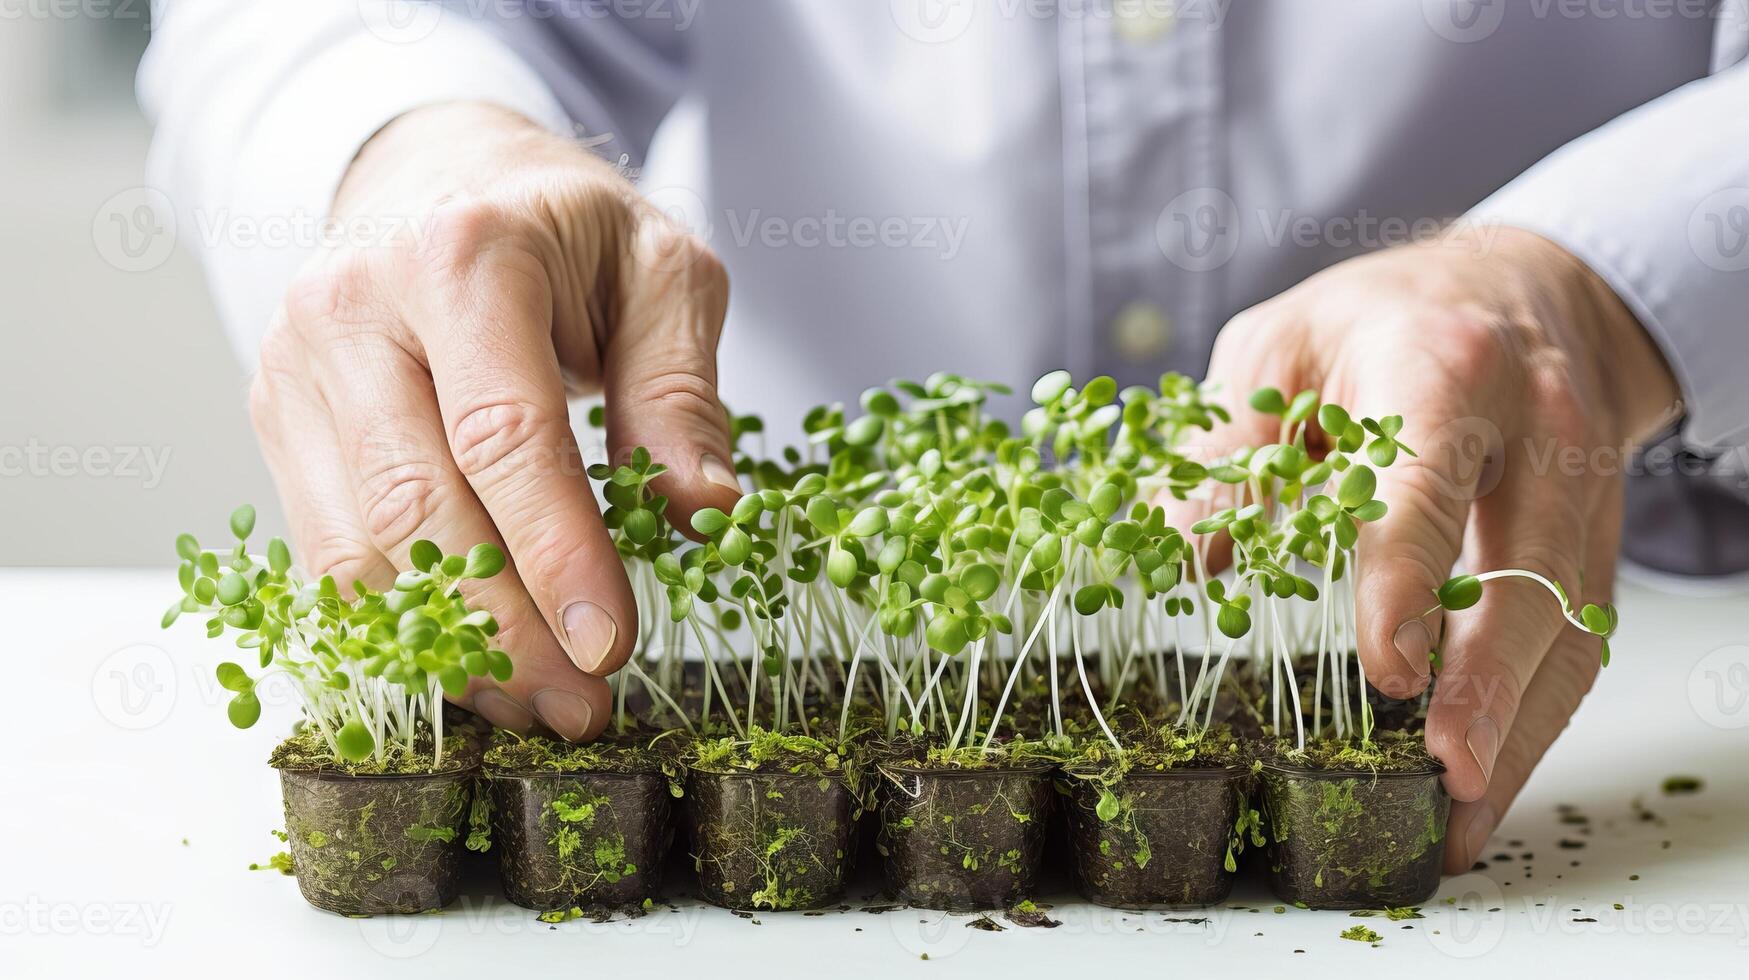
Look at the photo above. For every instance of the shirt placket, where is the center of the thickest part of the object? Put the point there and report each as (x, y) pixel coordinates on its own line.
(1157, 222)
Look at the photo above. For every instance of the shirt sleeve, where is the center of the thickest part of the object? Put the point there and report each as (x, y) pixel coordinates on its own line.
(1657, 203)
(259, 108)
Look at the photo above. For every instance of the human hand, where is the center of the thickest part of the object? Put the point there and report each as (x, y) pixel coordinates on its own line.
(1509, 359)
(416, 387)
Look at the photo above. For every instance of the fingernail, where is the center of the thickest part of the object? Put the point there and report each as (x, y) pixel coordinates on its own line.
(589, 634)
(718, 472)
(1476, 836)
(1483, 738)
(1414, 641)
(502, 710)
(565, 713)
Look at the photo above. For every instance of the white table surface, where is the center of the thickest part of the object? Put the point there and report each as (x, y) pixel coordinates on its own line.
(130, 810)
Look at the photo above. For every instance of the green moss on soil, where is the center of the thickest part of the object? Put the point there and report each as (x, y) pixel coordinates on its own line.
(768, 751)
(305, 751)
(1158, 749)
(1389, 751)
(510, 752)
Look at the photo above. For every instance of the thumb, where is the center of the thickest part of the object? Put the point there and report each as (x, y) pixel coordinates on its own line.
(659, 366)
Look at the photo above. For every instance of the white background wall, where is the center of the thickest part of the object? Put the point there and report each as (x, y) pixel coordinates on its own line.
(98, 364)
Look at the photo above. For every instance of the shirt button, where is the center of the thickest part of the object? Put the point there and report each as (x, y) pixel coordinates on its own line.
(1141, 331)
(1141, 21)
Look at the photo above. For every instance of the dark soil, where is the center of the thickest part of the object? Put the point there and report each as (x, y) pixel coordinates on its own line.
(1163, 839)
(369, 843)
(1353, 828)
(584, 827)
(958, 838)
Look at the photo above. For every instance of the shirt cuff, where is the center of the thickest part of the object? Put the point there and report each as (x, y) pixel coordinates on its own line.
(1651, 203)
(291, 161)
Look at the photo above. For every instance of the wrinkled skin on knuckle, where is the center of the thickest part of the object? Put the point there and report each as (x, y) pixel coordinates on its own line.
(344, 291)
(397, 498)
(1474, 346)
(458, 233)
(348, 561)
(508, 444)
(666, 256)
(675, 392)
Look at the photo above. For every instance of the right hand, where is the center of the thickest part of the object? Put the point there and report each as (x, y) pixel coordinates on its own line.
(416, 387)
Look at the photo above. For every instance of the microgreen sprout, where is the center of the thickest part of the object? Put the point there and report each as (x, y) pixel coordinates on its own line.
(1463, 591)
(942, 575)
(370, 670)
(926, 560)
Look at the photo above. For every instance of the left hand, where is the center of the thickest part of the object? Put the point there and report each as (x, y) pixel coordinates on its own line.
(1494, 340)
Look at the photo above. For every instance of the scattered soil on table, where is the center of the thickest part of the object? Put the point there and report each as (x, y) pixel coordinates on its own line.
(1031, 915)
(1683, 785)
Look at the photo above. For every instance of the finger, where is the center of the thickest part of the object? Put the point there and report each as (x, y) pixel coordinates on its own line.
(659, 366)
(1562, 681)
(302, 449)
(1255, 349)
(1538, 523)
(488, 337)
(408, 488)
(1410, 552)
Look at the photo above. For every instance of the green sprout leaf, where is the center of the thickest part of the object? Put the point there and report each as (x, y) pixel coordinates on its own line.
(1233, 621)
(1357, 487)
(1107, 808)
(232, 589)
(484, 561)
(708, 521)
(354, 742)
(1269, 401)
(233, 678)
(1460, 592)
(1049, 388)
(424, 555)
(244, 710)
